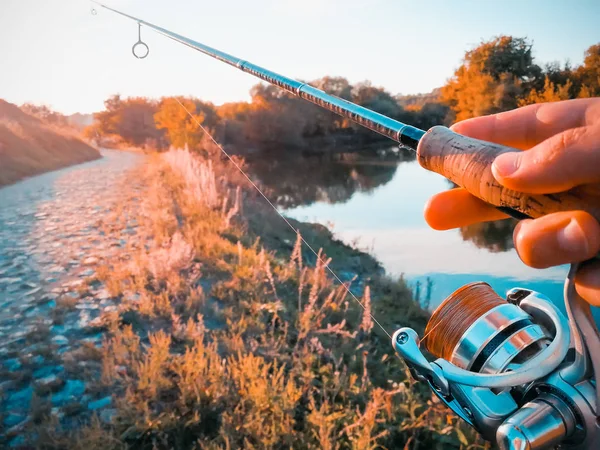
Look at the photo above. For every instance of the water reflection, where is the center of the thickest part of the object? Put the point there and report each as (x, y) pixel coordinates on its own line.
(493, 236)
(385, 216)
(333, 178)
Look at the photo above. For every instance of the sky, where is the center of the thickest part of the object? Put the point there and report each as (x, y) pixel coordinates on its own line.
(55, 52)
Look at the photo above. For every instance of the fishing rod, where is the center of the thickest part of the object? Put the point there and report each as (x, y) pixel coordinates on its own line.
(515, 368)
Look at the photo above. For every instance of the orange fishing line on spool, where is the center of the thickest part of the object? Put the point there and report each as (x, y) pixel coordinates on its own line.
(456, 314)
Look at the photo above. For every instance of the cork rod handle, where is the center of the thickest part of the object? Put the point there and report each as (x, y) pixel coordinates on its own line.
(468, 162)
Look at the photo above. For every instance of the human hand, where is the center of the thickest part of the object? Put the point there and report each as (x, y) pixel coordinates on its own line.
(562, 140)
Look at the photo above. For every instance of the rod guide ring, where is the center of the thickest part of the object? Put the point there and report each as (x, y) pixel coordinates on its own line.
(142, 48)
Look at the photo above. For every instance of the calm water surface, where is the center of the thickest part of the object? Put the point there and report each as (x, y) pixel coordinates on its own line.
(388, 221)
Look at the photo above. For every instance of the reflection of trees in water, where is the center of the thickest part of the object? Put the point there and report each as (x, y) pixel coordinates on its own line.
(297, 181)
(494, 236)
(303, 180)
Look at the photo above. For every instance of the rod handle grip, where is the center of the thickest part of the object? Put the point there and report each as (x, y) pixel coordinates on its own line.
(468, 163)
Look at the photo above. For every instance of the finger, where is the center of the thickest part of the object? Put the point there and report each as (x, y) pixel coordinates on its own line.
(587, 282)
(558, 238)
(528, 126)
(565, 160)
(457, 208)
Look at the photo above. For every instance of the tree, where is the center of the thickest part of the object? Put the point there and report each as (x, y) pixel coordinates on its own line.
(491, 78)
(181, 128)
(588, 74)
(338, 86)
(129, 122)
(550, 93)
(45, 114)
(275, 118)
(377, 99)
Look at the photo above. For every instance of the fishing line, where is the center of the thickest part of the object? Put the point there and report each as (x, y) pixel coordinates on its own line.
(405, 134)
(457, 313)
(282, 216)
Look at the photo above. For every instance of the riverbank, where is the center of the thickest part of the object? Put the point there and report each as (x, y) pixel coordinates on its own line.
(29, 146)
(226, 332)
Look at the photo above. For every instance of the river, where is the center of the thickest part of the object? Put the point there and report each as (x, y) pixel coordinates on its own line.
(387, 220)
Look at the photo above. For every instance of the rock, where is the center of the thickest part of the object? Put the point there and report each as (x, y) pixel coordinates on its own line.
(60, 340)
(102, 294)
(12, 364)
(17, 442)
(96, 324)
(46, 371)
(73, 284)
(17, 429)
(46, 298)
(87, 305)
(34, 348)
(32, 292)
(91, 260)
(87, 273)
(56, 412)
(11, 419)
(50, 383)
(59, 329)
(6, 386)
(57, 269)
(19, 259)
(133, 297)
(20, 399)
(38, 360)
(72, 390)
(96, 339)
(10, 280)
(107, 415)
(101, 403)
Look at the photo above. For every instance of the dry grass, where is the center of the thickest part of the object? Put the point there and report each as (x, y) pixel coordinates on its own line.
(29, 147)
(242, 345)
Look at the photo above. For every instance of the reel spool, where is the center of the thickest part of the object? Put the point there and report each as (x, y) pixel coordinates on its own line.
(477, 330)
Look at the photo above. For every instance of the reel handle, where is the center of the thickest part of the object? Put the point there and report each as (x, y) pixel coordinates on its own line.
(468, 163)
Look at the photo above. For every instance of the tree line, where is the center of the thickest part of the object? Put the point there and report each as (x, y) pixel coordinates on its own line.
(272, 120)
(497, 75)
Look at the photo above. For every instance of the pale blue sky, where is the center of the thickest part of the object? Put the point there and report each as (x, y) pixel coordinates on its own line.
(55, 52)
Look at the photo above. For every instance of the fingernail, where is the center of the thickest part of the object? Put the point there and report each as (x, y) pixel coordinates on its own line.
(507, 164)
(572, 240)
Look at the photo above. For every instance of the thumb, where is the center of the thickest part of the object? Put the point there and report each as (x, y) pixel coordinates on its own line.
(565, 160)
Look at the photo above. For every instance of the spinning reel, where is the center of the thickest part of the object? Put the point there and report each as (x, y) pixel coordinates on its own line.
(515, 369)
